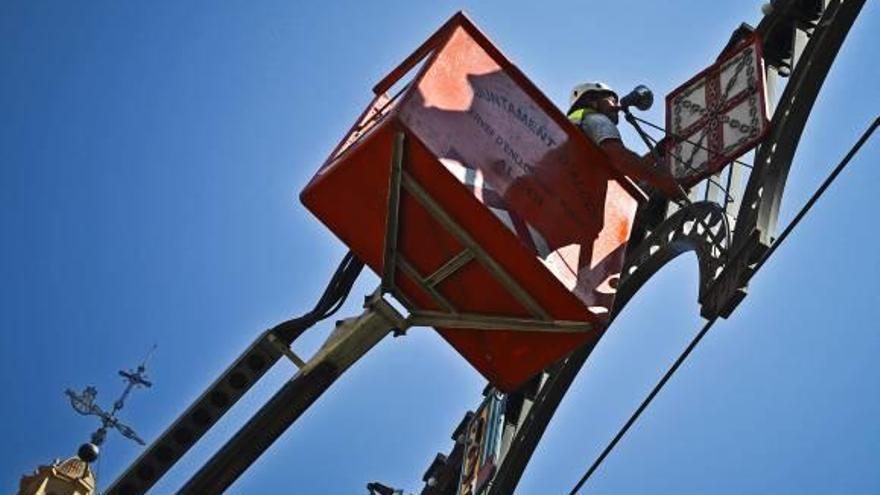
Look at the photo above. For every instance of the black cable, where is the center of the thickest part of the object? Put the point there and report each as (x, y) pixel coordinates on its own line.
(644, 405)
(788, 229)
(331, 300)
(815, 197)
(680, 138)
(727, 197)
(650, 139)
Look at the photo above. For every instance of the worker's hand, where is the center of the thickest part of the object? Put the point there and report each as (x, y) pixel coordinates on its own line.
(659, 149)
(643, 169)
(671, 188)
(661, 146)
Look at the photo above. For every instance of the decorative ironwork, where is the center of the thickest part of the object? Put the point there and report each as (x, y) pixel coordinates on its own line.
(709, 126)
(811, 59)
(700, 227)
(84, 403)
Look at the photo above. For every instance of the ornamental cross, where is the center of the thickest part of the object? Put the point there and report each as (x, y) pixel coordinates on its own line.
(84, 403)
(718, 115)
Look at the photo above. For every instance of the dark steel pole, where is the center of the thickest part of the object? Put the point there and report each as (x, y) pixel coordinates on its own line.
(351, 339)
(261, 431)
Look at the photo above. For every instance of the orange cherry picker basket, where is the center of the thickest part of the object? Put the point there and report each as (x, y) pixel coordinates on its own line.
(487, 213)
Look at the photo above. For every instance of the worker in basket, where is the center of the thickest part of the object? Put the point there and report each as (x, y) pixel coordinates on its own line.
(594, 109)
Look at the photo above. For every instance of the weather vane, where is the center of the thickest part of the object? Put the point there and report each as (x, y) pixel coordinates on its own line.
(84, 403)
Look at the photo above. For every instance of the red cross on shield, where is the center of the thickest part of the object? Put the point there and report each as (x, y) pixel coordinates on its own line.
(718, 115)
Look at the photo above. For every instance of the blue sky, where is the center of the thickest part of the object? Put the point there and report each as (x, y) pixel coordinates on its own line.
(151, 158)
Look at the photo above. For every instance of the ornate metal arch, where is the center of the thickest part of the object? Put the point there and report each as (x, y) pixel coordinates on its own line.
(804, 38)
(801, 41)
(701, 227)
(811, 61)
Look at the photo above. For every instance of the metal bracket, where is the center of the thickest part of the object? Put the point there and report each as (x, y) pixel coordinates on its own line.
(484, 322)
(389, 257)
(451, 317)
(285, 350)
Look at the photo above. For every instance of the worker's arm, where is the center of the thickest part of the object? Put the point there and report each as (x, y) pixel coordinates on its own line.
(642, 168)
(601, 130)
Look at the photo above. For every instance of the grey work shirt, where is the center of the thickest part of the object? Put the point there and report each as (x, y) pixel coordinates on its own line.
(598, 127)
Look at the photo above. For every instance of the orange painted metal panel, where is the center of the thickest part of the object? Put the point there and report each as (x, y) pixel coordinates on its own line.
(512, 172)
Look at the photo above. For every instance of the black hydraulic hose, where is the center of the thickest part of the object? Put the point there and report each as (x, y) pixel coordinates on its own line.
(334, 295)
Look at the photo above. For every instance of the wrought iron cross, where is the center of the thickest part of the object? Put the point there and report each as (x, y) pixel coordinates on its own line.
(84, 403)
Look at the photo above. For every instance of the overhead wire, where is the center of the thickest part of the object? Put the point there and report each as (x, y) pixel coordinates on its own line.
(696, 340)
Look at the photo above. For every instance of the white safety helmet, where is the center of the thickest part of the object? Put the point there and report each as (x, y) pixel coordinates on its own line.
(589, 87)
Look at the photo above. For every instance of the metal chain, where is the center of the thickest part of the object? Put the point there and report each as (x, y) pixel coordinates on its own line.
(680, 138)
